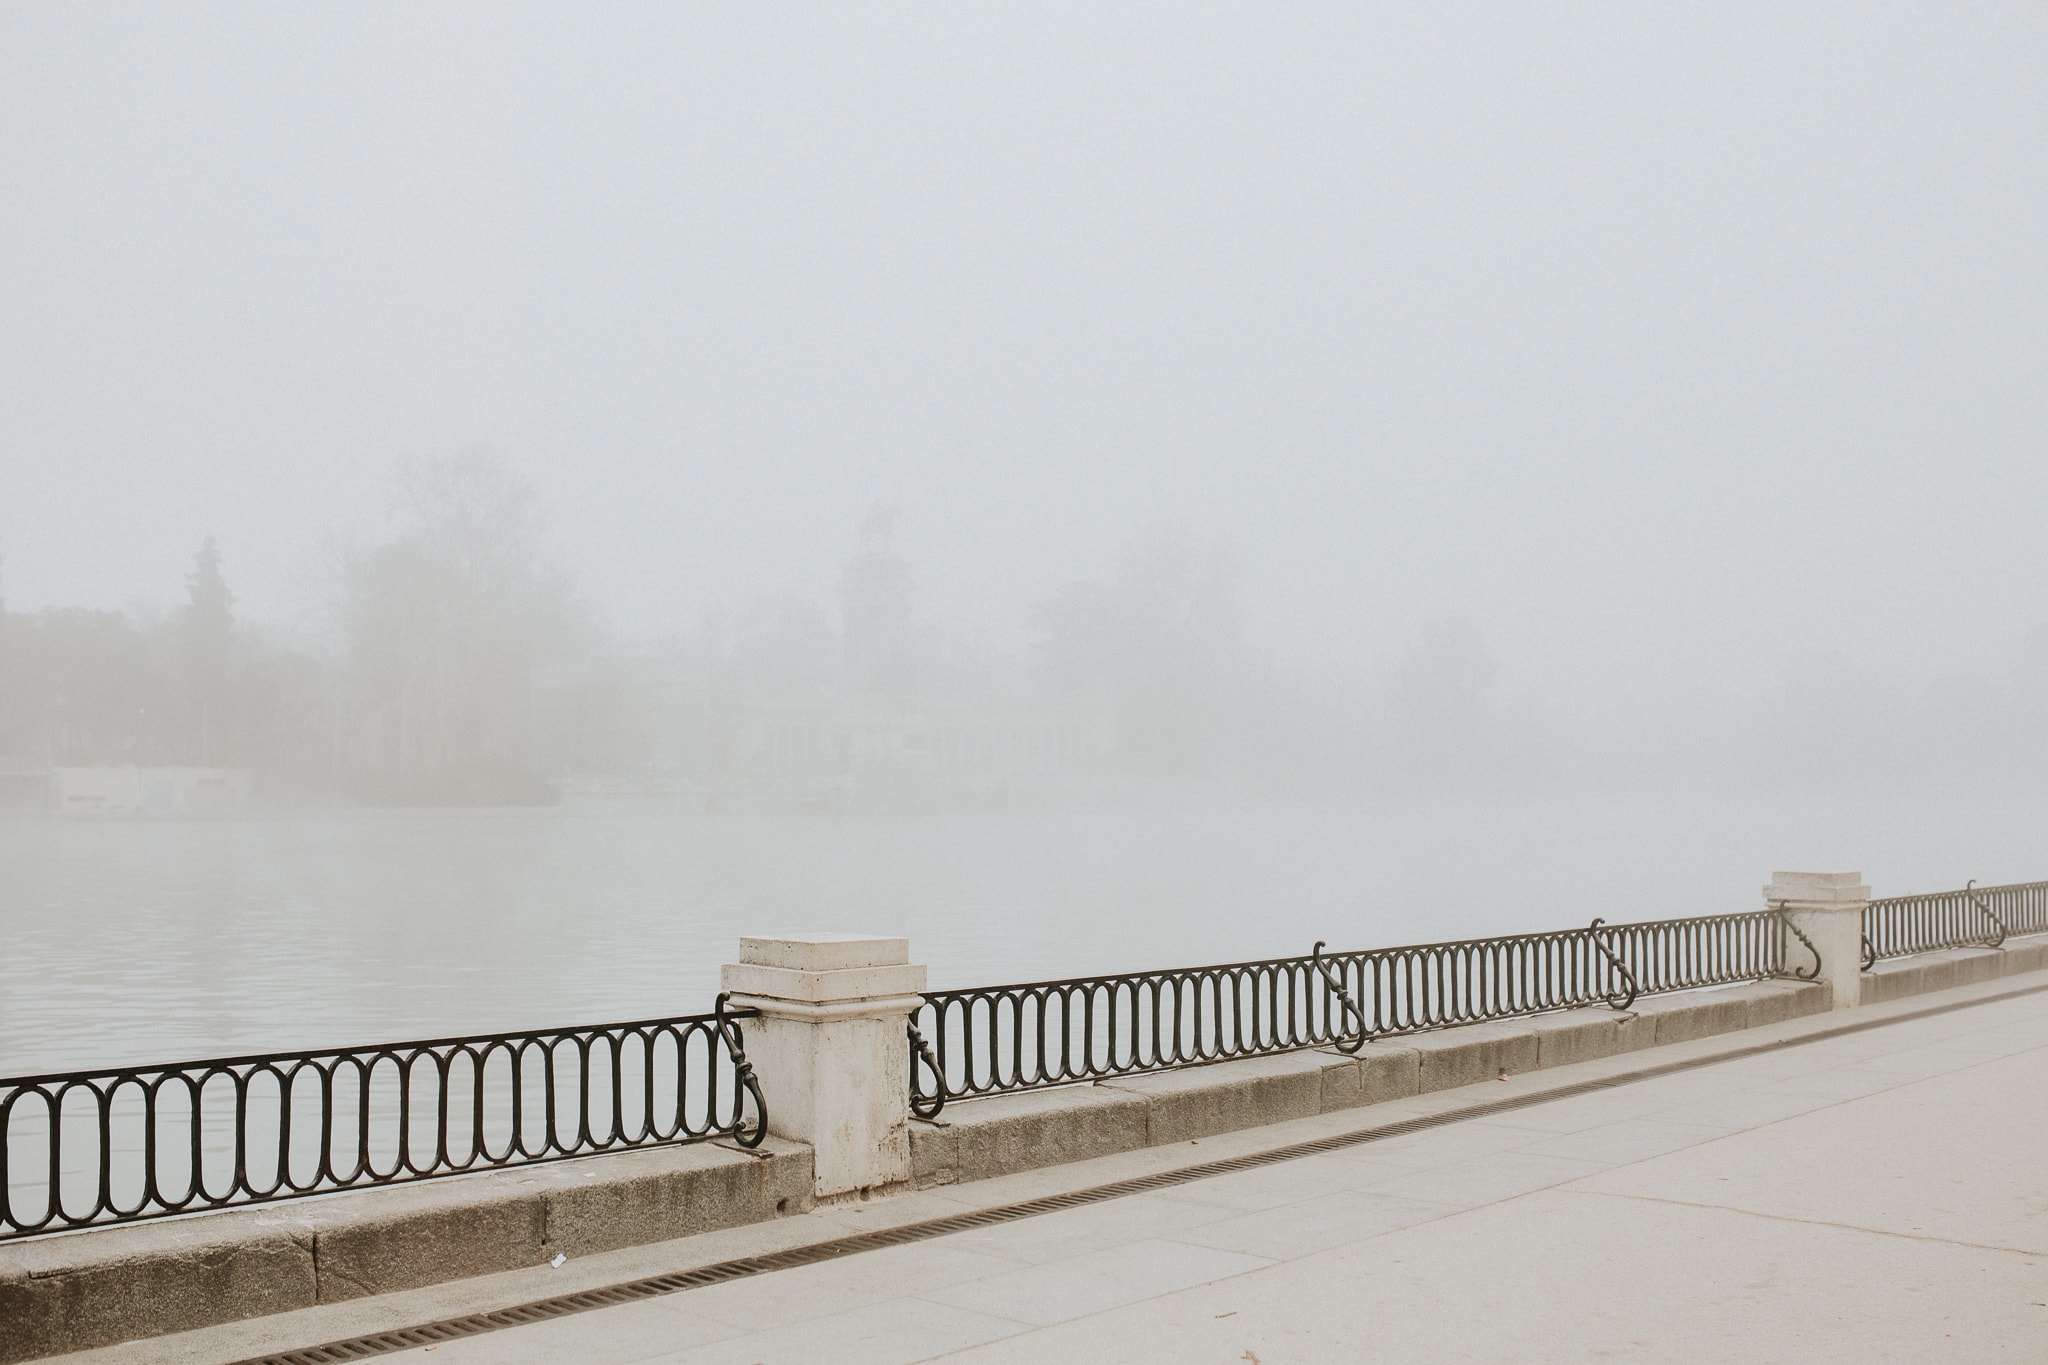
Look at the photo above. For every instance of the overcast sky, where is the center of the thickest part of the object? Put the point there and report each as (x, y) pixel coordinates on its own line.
(1671, 345)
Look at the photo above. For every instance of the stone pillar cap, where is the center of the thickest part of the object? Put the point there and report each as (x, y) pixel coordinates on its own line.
(1816, 878)
(823, 952)
(1817, 887)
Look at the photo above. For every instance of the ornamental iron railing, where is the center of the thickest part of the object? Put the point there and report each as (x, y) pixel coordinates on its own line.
(88, 1148)
(91, 1148)
(1974, 917)
(993, 1039)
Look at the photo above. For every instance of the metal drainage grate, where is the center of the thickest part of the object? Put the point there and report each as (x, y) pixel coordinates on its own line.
(654, 1286)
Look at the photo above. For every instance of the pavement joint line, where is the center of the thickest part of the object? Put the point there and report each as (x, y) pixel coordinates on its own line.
(373, 1344)
(1803, 1222)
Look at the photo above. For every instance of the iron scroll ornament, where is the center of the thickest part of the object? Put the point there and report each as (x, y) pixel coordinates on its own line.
(742, 1070)
(925, 1106)
(1808, 973)
(1628, 978)
(1349, 1043)
(1998, 930)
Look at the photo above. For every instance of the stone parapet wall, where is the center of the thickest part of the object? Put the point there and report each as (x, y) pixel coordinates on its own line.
(1000, 1135)
(77, 1290)
(982, 1138)
(92, 1288)
(1899, 977)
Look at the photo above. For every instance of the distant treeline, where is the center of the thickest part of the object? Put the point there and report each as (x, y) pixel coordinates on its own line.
(436, 634)
(451, 662)
(84, 686)
(454, 663)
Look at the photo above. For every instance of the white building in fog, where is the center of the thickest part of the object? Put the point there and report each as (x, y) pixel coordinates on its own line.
(130, 792)
(783, 708)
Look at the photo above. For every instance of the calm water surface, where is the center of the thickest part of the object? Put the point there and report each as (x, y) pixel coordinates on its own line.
(140, 941)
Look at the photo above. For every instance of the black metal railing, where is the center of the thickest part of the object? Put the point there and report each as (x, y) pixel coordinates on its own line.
(994, 1039)
(90, 1148)
(1974, 917)
(95, 1147)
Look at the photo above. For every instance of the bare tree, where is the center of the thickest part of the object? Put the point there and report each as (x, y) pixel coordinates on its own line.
(1161, 644)
(445, 624)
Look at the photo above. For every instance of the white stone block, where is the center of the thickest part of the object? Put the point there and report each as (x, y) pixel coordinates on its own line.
(831, 1049)
(1828, 908)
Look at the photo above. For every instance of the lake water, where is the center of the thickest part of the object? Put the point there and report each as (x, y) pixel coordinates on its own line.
(142, 941)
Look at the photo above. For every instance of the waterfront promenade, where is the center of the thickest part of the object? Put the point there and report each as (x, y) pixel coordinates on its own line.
(1876, 1194)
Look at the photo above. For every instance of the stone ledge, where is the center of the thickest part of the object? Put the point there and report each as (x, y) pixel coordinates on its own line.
(1002, 1135)
(1181, 1106)
(94, 1288)
(1585, 1035)
(1775, 1002)
(1896, 978)
(1455, 1057)
(1025, 1131)
(1386, 1071)
(1694, 1014)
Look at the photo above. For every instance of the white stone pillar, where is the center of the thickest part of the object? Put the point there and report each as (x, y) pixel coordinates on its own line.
(1828, 908)
(831, 1049)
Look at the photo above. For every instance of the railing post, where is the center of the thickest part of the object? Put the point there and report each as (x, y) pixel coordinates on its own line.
(829, 1048)
(1828, 908)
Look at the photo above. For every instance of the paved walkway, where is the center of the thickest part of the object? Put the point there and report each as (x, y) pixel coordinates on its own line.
(1877, 1196)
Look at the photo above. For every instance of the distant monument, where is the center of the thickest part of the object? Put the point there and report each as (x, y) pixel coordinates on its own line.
(903, 724)
(875, 591)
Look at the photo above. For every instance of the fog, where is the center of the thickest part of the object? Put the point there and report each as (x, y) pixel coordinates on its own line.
(1583, 457)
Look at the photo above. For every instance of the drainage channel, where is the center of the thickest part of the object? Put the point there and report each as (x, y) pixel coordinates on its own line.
(375, 1344)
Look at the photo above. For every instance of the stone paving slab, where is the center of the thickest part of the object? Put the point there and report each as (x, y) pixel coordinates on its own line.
(633, 1332)
(1908, 1224)
(1089, 1283)
(817, 1291)
(1293, 1230)
(1958, 1157)
(882, 1333)
(1556, 1276)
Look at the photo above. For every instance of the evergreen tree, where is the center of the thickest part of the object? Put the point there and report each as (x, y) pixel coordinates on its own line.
(206, 633)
